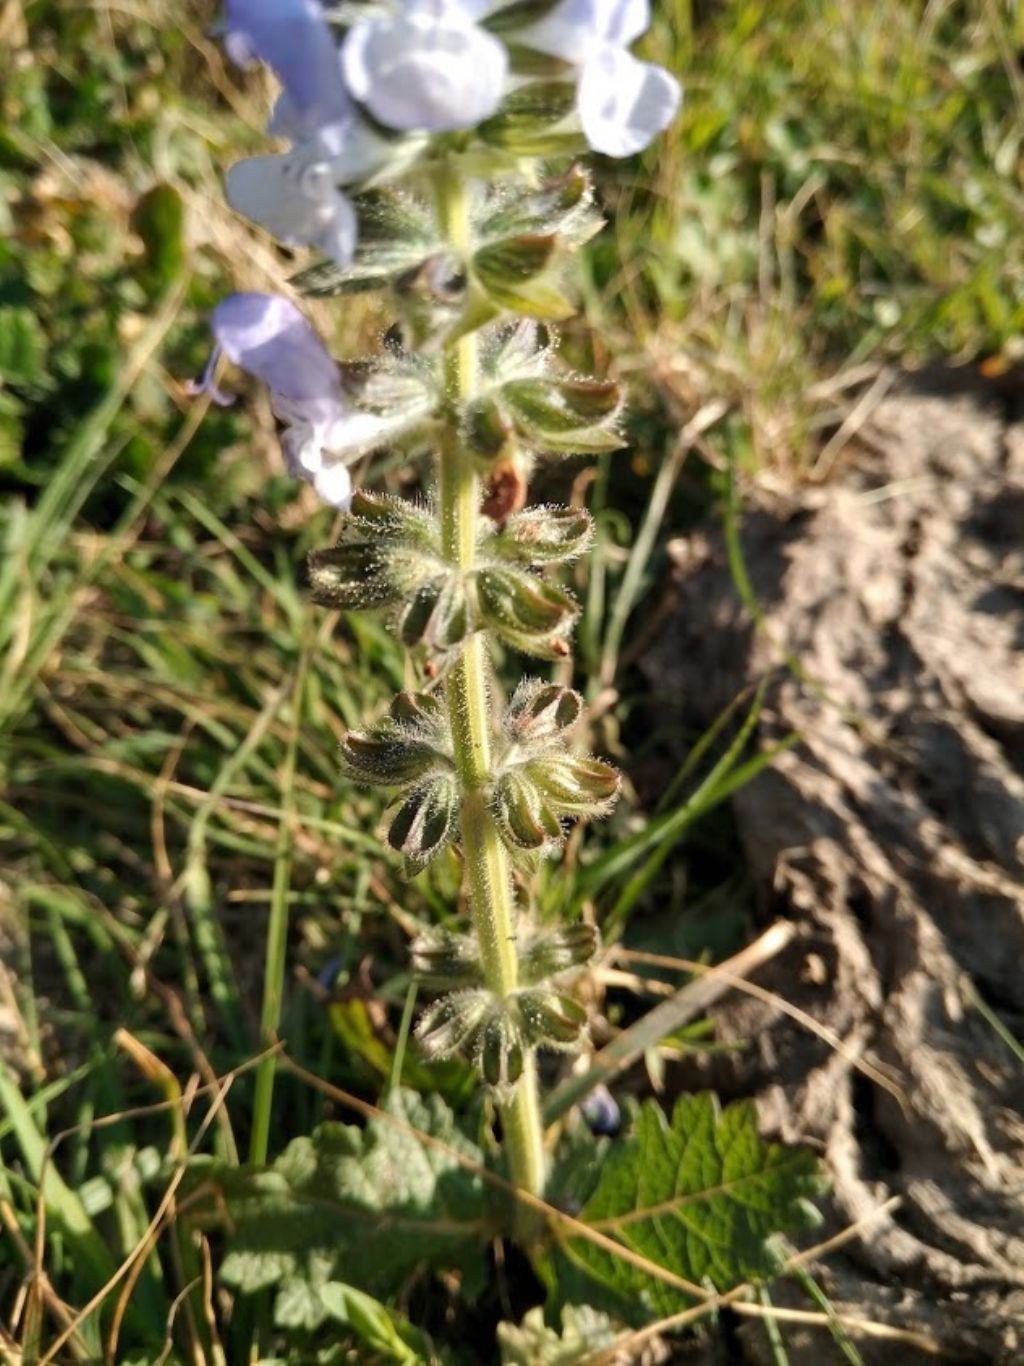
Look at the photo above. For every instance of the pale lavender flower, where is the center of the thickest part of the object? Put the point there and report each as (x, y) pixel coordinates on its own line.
(267, 336)
(429, 67)
(295, 197)
(293, 38)
(623, 103)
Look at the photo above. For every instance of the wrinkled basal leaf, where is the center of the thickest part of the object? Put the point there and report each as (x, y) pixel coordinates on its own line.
(366, 1207)
(702, 1197)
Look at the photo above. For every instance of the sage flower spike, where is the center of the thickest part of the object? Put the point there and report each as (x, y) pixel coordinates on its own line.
(426, 67)
(268, 337)
(623, 103)
(293, 38)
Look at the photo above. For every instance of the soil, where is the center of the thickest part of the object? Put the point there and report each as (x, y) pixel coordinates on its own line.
(892, 626)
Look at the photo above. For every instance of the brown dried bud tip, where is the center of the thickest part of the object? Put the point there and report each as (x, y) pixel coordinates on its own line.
(506, 492)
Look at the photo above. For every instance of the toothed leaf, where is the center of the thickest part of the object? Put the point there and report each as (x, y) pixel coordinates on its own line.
(701, 1195)
(365, 1205)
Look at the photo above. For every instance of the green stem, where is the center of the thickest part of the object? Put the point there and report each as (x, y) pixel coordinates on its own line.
(488, 871)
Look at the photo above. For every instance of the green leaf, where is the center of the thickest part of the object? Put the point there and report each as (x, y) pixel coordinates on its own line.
(367, 1206)
(11, 436)
(22, 347)
(702, 1197)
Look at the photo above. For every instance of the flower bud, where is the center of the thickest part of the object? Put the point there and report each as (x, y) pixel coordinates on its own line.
(403, 748)
(395, 396)
(426, 822)
(387, 547)
(549, 953)
(377, 517)
(438, 615)
(524, 819)
(563, 206)
(390, 756)
(535, 121)
(516, 350)
(578, 786)
(551, 1019)
(514, 275)
(424, 709)
(525, 612)
(489, 434)
(577, 416)
(432, 300)
(539, 711)
(397, 233)
(349, 576)
(532, 797)
(542, 535)
(446, 960)
(500, 1051)
(451, 1025)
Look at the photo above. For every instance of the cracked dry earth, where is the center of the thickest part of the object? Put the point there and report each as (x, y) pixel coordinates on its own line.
(894, 837)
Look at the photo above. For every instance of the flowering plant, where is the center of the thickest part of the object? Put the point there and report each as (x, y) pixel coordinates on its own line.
(435, 155)
(425, 140)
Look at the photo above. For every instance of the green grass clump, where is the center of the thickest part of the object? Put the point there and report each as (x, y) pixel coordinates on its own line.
(845, 187)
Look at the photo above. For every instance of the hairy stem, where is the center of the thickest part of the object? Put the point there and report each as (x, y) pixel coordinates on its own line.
(488, 871)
